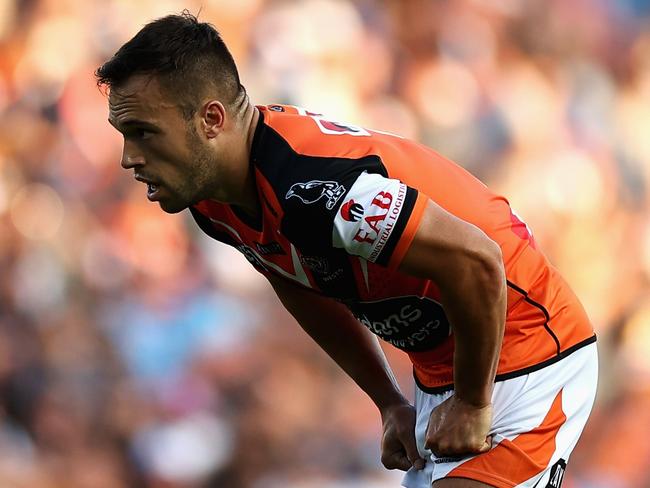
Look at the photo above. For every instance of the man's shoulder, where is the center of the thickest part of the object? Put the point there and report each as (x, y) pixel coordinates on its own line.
(300, 168)
(313, 134)
(294, 139)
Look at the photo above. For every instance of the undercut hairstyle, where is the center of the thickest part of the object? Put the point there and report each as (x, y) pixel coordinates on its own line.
(188, 57)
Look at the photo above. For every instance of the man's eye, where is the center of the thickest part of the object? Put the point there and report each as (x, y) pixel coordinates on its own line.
(144, 134)
(140, 134)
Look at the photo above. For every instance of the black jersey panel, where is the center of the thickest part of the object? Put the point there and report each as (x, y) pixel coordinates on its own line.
(334, 203)
(310, 189)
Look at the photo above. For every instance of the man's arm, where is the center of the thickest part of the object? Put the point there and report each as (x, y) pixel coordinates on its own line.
(468, 268)
(357, 352)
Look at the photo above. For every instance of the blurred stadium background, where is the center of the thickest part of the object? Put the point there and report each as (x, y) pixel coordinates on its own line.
(135, 352)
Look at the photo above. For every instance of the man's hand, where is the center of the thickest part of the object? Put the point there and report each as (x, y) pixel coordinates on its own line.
(398, 448)
(457, 428)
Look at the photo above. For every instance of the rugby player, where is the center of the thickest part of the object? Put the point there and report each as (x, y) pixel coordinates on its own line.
(362, 232)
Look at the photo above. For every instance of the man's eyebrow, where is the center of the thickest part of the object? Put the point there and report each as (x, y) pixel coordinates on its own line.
(131, 122)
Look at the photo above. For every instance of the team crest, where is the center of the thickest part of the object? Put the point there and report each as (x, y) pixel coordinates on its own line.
(315, 190)
(316, 263)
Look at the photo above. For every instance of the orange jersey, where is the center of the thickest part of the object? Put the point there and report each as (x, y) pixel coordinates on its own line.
(340, 207)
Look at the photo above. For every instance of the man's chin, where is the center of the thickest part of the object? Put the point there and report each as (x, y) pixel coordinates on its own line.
(171, 207)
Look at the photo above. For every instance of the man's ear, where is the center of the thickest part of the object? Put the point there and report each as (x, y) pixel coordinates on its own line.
(213, 118)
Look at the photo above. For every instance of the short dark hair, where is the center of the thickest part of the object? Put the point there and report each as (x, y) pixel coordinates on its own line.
(188, 57)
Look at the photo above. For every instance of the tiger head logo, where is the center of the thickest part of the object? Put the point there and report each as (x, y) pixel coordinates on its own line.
(315, 190)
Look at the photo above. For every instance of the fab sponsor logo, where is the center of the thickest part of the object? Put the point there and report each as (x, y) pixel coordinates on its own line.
(366, 221)
(352, 211)
(379, 226)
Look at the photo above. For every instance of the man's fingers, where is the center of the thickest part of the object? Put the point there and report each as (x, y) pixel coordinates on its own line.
(401, 454)
(441, 447)
(396, 460)
(487, 445)
(398, 447)
(412, 452)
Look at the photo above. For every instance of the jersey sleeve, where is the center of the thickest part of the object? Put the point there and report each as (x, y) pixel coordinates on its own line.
(378, 219)
(352, 205)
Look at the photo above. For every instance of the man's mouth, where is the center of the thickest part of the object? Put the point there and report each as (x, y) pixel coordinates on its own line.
(152, 188)
(152, 191)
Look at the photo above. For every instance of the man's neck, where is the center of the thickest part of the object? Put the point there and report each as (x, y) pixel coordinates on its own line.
(250, 202)
(251, 117)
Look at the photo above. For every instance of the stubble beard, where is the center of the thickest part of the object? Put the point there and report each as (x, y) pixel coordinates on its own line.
(203, 180)
(196, 182)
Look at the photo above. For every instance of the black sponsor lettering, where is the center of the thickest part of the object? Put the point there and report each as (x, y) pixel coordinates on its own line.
(251, 256)
(444, 460)
(381, 328)
(410, 323)
(270, 248)
(333, 276)
(411, 316)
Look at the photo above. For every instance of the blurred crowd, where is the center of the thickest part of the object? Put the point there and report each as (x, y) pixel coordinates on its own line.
(135, 352)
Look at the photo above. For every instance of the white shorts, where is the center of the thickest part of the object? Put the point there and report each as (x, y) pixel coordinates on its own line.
(537, 420)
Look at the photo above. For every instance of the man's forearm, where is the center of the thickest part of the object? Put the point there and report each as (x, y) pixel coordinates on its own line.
(476, 309)
(354, 348)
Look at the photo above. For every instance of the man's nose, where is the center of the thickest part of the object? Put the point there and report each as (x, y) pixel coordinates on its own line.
(131, 158)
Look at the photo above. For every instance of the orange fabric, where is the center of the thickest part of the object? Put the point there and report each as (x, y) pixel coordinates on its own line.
(513, 462)
(409, 232)
(544, 317)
